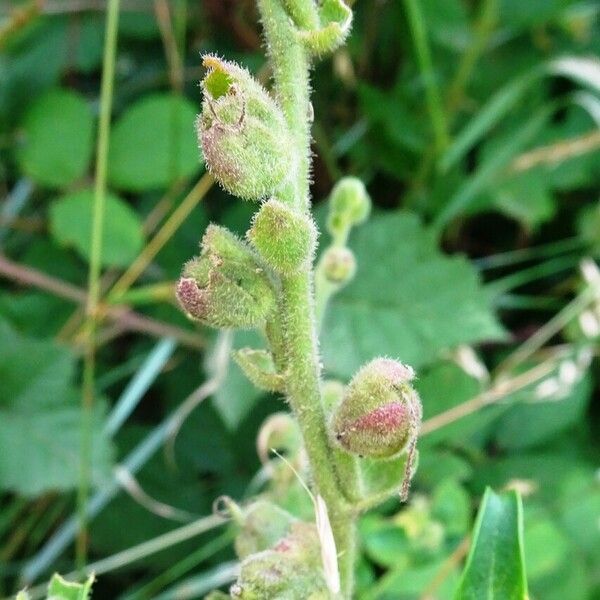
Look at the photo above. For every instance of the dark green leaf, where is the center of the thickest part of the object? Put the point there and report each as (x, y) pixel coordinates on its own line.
(408, 300)
(495, 568)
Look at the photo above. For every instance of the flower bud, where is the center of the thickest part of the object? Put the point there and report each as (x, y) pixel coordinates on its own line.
(242, 132)
(291, 569)
(339, 265)
(380, 412)
(349, 205)
(264, 524)
(225, 286)
(284, 238)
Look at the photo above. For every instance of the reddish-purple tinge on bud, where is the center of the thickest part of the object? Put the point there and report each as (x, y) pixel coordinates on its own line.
(383, 420)
(380, 412)
(192, 299)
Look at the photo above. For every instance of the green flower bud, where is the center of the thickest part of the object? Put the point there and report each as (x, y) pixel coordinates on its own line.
(339, 265)
(349, 205)
(242, 132)
(284, 238)
(380, 412)
(291, 570)
(264, 524)
(259, 368)
(225, 286)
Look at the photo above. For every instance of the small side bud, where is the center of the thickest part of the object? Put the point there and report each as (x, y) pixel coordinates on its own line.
(264, 524)
(242, 132)
(279, 432)
(339, 265)
(225, 286)
(259, 368)
(335, 21)
(284, 238)
(380, 413)
(349, 205)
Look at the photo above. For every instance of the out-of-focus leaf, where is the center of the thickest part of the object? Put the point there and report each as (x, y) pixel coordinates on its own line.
(531, 423)
(495, 568)
(71, 224)
(236, 396)
(40, 421)
(526, 198)
(154, 144)
(58, 133)
(408, 300)
(384, 542)
(451, 506)
(61, 589)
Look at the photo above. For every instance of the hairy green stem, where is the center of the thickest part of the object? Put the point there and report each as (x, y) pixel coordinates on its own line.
(297, 311)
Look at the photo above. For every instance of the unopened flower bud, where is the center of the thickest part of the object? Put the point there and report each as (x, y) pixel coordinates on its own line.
(264, 524)
(380, 412)
(284, 238)
(225, 286)
(349, 205)
(291, 569)
(242, 132)
(339, 265)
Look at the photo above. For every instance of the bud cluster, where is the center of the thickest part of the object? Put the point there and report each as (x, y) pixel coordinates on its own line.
(225, 286)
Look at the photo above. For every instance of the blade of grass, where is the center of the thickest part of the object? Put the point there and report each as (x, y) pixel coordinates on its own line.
(197, 586)
(418, 30)
(139, 385)
(135, 553)
(179, 569)
(514, 257)
(93, 299)
(134, 461)
(492, 167)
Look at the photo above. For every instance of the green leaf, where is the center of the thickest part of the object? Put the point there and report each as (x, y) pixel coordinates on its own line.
(153, 144)
(58, 135)
(61, 589)
(408, 300)
(40, 418)
(495, 568)
(71, 225)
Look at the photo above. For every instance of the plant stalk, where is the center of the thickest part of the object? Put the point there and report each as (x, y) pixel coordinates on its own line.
(291, 67)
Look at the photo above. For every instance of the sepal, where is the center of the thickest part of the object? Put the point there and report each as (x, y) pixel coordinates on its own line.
(259, 368)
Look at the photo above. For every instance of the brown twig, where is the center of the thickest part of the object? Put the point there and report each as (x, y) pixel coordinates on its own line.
(554, 154)
(124, 316)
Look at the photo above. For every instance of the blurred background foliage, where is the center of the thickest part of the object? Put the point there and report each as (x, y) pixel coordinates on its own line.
(474, 124)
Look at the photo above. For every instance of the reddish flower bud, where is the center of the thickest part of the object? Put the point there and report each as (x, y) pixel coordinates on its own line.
(380, 412)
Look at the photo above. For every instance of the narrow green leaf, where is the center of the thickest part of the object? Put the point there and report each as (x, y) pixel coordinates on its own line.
(495, 568)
